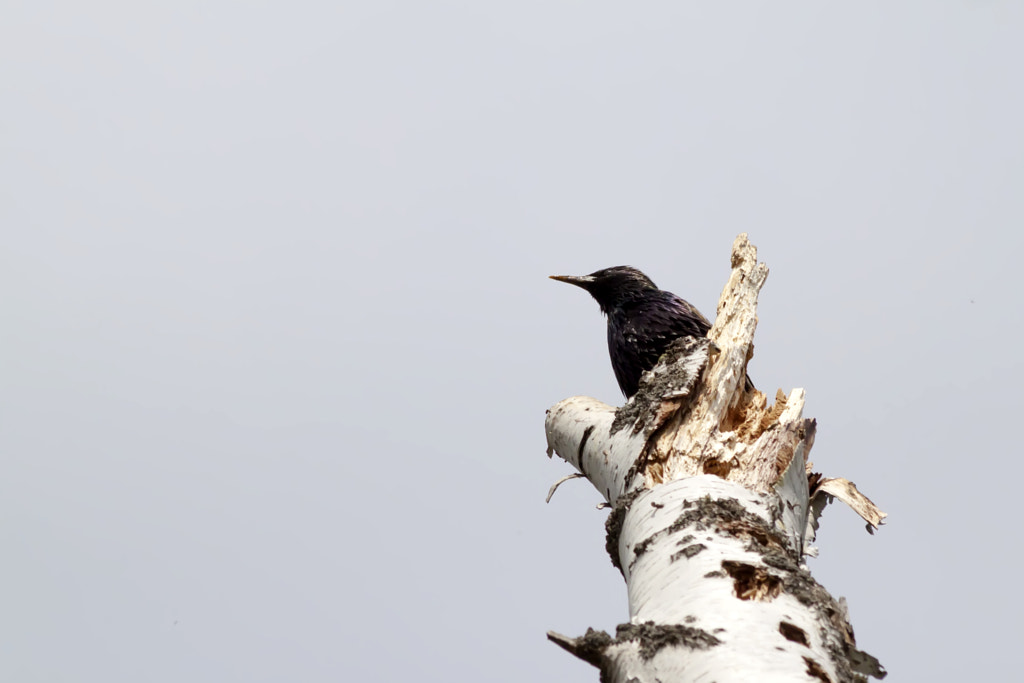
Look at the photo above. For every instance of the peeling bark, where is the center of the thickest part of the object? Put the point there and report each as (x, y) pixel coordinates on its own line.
(714, 509)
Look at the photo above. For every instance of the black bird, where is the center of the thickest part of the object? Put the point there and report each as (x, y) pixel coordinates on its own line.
(642, 319)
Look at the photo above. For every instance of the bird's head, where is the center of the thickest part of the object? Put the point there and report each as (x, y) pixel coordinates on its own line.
(611, 287)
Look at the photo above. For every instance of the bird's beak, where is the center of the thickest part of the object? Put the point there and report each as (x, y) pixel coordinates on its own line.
(583, 281)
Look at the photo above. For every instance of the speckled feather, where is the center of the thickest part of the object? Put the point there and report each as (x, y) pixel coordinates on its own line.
(639, 332)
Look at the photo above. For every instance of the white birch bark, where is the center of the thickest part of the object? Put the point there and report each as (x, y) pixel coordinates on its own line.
(714, 509)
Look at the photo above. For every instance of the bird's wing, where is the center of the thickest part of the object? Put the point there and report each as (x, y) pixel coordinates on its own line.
(668, 320)
(638, 336)
(677, 319)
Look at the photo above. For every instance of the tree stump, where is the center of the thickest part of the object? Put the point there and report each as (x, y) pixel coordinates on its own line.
(714, 509)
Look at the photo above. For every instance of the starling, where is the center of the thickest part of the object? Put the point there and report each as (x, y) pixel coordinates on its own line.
(642, 319)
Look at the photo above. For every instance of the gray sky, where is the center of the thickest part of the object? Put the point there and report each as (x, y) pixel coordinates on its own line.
(279, 338)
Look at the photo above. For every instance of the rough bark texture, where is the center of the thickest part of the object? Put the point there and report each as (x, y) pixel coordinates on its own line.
(713, 511)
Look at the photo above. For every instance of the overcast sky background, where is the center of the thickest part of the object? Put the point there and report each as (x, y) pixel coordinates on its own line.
(278, 338)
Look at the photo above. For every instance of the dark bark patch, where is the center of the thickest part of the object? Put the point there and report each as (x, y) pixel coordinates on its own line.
(761, 538)
(815, 670)
(653, 637)
(589, 647)
(726, 515)
(613, 526)
(751, 582)
(583, 442)
(719, 468)
(688, 552)
(794, 633)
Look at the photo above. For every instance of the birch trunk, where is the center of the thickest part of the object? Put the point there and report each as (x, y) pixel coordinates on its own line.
(714, 509)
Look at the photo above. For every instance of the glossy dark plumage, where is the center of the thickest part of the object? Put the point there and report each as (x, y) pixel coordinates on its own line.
(642, 319)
